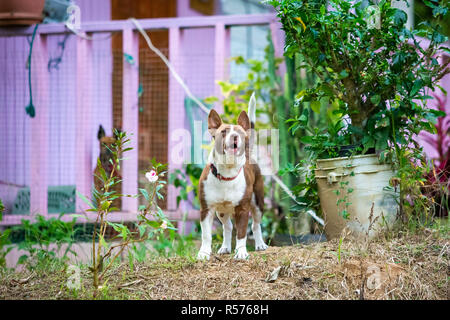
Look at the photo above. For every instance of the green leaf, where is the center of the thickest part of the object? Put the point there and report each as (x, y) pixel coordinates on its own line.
(437, 113)
(400, 17)
(152, 223)
(22, 259)
(116, 226)
(85, 200)
(416, 87)
(210, 100)
(375, 99)
(124, 232)
(105, 205)
(303, 118)
(343, 74)
(428, 4)
(381, 144)
(315, 106)
(307, 139)
(439, 10)
(442, 89)
(145, 193)
(141, 230)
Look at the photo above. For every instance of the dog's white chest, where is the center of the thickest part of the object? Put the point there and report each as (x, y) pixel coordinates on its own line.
(224, 196)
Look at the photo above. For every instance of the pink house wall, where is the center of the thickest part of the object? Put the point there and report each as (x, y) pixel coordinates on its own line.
(200, 62)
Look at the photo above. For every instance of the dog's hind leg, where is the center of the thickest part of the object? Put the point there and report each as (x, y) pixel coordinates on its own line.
(227, 231)
(241, 222)
(256, 228)
(206, 224)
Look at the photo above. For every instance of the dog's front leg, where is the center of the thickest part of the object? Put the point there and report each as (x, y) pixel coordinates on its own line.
(207, 218)
(227, 231)
(241, 235)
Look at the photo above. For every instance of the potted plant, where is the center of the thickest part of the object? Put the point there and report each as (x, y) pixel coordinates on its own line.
(374, 77)
(21, 12)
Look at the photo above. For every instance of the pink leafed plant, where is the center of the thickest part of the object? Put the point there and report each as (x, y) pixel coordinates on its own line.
(439, 142)
(437, 149)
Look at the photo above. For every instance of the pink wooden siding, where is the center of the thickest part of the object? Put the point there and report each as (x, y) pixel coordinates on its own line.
(219, 56)
(15, 144)
(83, 119)
(197, 56)
(15, 137)
(176, 118)
(130, 118)
(39, 163)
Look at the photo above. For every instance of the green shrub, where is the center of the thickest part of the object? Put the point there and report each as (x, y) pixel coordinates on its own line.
(40, 236)
(4, 240)
(376, 77)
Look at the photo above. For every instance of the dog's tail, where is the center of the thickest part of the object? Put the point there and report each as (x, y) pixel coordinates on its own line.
(252, 110)
(252, 116)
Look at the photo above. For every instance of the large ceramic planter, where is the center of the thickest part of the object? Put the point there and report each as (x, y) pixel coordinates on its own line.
(358, 185)
(21, 12)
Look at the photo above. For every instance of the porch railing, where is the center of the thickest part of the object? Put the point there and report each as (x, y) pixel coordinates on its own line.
(130, 82)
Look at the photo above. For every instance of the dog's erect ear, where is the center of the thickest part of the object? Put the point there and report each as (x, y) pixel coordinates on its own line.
(101, 132)
(244, 121)
(214, 122)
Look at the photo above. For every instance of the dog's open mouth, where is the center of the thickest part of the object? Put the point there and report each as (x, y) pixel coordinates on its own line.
(233, 148)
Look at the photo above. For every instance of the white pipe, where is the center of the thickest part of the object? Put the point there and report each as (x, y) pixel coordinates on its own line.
(169, 65)
(291, 195)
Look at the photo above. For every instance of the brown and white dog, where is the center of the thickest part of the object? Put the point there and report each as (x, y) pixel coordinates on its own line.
(231, 185)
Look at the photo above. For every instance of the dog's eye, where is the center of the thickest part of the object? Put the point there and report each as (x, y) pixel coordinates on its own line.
(224, 133)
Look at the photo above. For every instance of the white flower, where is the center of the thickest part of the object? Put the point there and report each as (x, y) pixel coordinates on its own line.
(151, 176)
(164, 225)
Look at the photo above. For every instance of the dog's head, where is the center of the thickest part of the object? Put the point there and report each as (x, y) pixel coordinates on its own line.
(229, 139)
(106, 145)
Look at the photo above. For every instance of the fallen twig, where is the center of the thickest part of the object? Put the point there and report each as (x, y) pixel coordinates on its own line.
(130, 283)
(22, 281)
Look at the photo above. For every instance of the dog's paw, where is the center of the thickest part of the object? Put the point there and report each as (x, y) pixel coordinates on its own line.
(241, 254)
(202, 255)
(261, 247)
(224, 250)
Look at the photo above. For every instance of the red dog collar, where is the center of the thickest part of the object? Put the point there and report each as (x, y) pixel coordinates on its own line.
(219, 176)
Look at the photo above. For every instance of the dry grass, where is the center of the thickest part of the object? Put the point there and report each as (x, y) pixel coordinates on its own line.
(404, 267)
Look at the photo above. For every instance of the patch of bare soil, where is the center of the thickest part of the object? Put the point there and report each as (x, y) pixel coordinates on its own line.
(409, 267)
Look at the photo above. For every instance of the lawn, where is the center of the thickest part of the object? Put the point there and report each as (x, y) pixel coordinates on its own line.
(412, 265)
